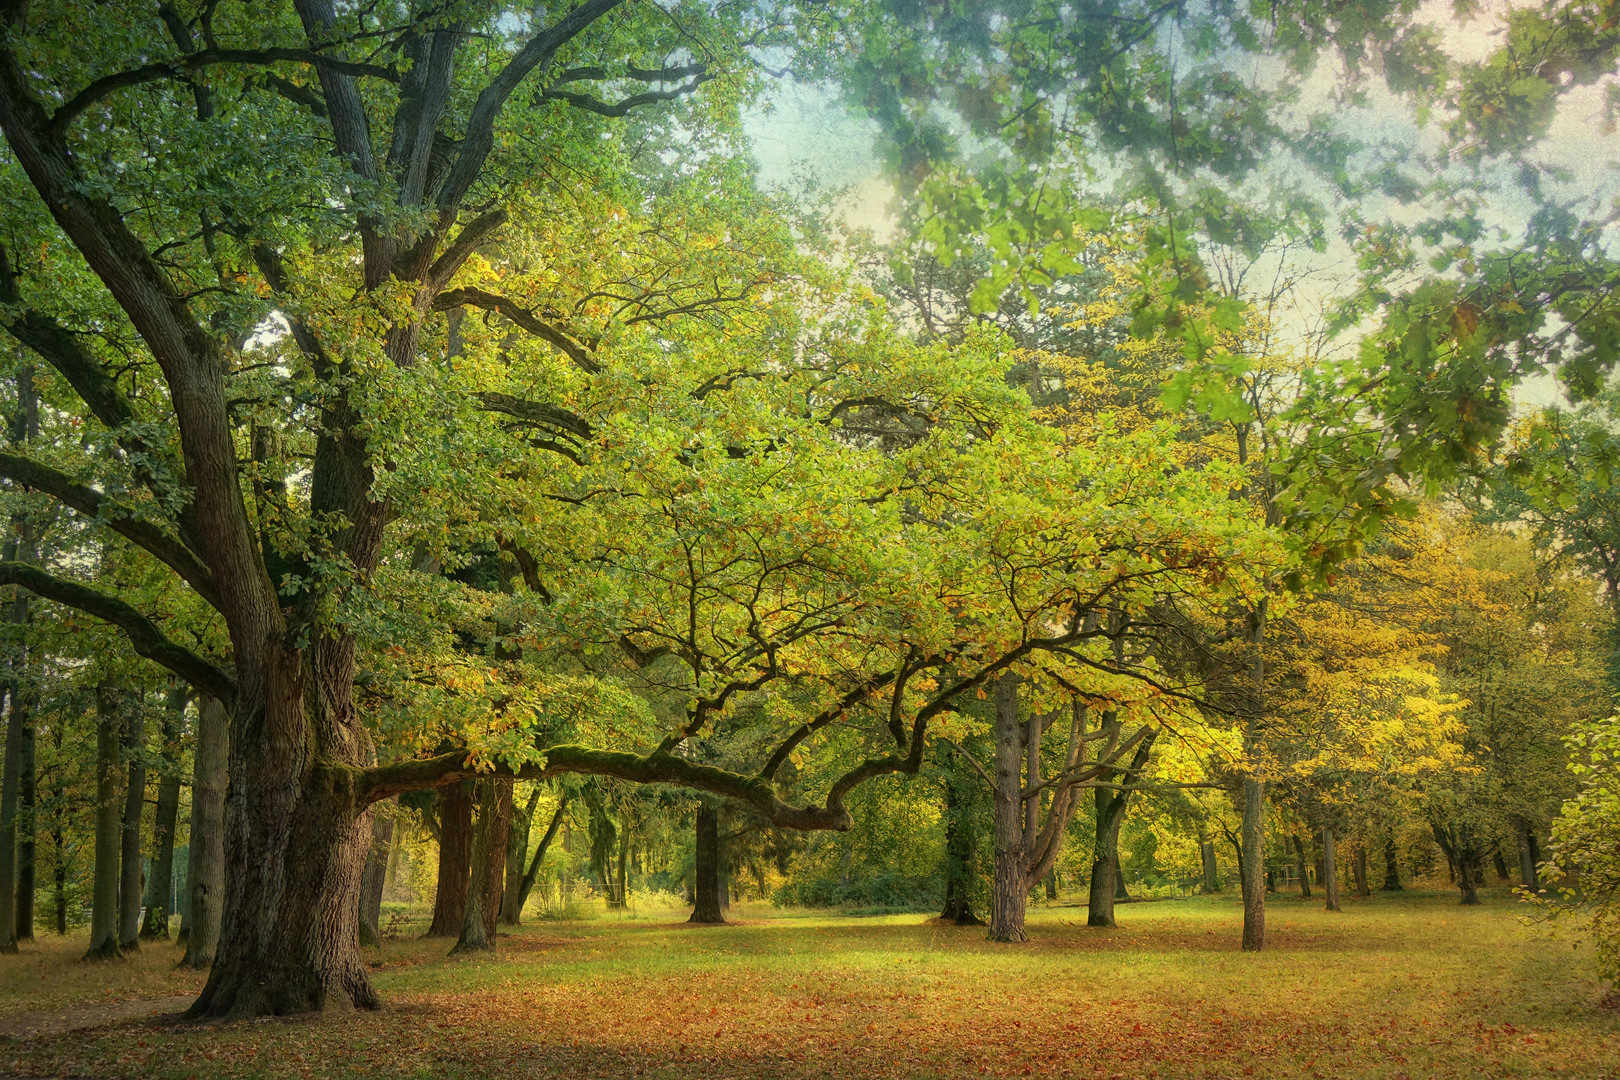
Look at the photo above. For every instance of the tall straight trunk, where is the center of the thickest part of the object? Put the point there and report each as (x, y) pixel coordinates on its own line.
(533, 872)
(1253, 870)
(1330, 869)
(1051, 884)
(59, 878)
(621, 895)
(517, 848)
(1392, 869)
(155, 923)
(706, 887)
(205, 859)
(371, 879)
(20, 718)
(1009, 889)
(109, 770)
(8, 829)
(1361, 870)
(1206, 851)
(1303, 866)
(494, 799)
(455, 860)
(1528, 876)
(27, 805)
(130, 877)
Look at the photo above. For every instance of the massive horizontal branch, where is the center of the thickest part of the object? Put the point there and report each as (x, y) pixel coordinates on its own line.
(522, 317)
(146, 535)
(399, 777)
(143, 634)
(621, 108)
(180, 65)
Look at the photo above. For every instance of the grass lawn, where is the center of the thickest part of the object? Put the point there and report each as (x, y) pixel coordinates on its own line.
(1413, 986)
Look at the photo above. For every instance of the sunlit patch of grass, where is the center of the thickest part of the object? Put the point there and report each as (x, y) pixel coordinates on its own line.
(1411, 986)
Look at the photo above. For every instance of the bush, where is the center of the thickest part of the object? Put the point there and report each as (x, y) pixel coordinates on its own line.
(1583, 859)
(891, 893)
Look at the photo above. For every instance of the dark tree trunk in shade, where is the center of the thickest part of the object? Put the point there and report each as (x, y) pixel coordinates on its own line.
(130, 878)
(109, 810)
(1528, 875)
(1255, 880)
(533, 872)
(1051, 884)
(620, 897)
(1330, 869)
(517, 848)
(1361, 870)
(494, 799)
(155, 923)
(706, 888)
(59, 877)
(1392, 869)
(1122, 895)
(960, 836)
(371, 879)
(455, 860)
(1462, 852)
(8, 832)
(1206, 850)
(1302, 866)
(27, 803)
(205, 859)
(1500, 864)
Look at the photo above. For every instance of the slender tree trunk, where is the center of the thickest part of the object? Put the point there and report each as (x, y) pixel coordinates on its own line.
(130, 879)
(1468, 872)
(1206, 850)
(706, 889)
(517, 848)
(19, 824)
(1303, 867)
(27, 804)
(1528, 875)
(109, 768)
(1051, 884)
(533, 872)
(621, 895)
(1009, 896)
(1361, 870)
(1392, 869)
(455, 860)
(1122, 895)
(1500, 863)
(371, 879)
(1254, 864)
(8, 828)
(59, 878)
(155, 924)
(205, 859)
(494, 798)
(1330, 869)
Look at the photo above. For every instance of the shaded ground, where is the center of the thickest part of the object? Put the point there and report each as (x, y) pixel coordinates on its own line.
(1409, 988)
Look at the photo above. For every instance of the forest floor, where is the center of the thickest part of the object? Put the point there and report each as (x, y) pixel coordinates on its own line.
(1409, 986)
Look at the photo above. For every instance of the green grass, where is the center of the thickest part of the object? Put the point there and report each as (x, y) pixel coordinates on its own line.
(1412, 987)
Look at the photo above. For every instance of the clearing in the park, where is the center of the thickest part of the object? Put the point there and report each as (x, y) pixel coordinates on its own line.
(1411, 987)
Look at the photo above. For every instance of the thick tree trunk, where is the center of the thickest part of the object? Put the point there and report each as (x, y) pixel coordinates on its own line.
(1330, 869)
(494, 798)
(1104, 889)
(517, 848)
(1302, 865)
(1528, 875)
(8, 830)
(130, 877)
(1206, 850)
(109, 770)
(1254, 864)
(1009, 889)
(1392, 869)
(1361, 870)
(155, 923)
(533, 873)
(371, 880)
(205, 859)
(1468, 874)
(706, 888)
(455, 860)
